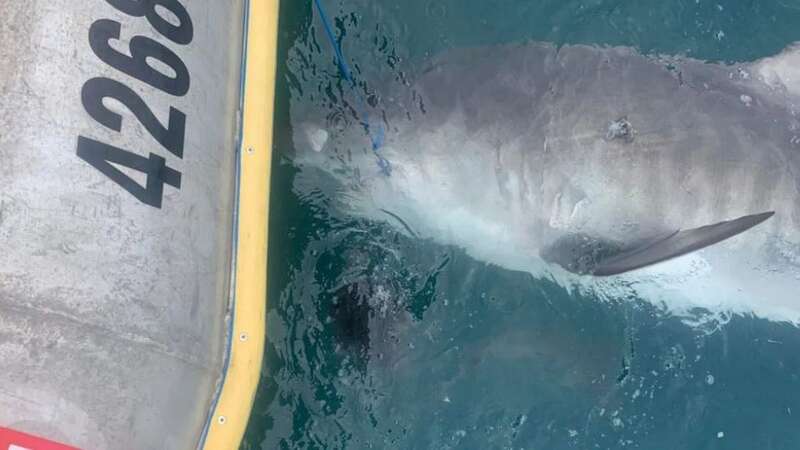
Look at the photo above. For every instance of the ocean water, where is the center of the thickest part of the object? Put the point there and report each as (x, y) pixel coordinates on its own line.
(381, 339)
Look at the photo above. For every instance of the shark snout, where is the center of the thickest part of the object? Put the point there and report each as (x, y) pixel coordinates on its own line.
(312, 137)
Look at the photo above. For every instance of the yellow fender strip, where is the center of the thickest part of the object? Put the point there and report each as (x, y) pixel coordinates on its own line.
(229, 419)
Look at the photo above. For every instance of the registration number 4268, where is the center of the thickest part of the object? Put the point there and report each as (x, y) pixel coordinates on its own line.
(171, 135)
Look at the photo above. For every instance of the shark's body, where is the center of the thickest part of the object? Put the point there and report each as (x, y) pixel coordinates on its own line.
(554, 161)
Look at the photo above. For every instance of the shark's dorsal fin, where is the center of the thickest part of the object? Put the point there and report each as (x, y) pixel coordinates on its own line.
(676, 244)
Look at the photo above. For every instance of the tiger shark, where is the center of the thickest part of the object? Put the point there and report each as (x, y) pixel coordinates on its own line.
(670, 178)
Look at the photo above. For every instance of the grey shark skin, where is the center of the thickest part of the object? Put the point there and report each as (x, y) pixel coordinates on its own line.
(553, 161)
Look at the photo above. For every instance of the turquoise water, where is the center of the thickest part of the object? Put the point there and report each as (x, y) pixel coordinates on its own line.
(464, 355)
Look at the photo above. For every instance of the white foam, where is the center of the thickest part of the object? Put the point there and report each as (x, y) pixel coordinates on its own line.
(782, 71)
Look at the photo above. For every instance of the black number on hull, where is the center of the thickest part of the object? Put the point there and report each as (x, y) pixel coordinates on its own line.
(101, 155)
(104, 30)
(107, 158)
(96, 89)
(180, 34)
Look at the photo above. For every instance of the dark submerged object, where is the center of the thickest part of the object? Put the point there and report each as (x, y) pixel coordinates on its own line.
(350, 311)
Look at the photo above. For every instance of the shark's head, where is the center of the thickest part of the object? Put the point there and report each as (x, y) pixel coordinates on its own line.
(352, 164)
(351, 152)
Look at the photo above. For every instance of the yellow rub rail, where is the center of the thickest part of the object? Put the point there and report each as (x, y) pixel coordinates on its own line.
(229, 417)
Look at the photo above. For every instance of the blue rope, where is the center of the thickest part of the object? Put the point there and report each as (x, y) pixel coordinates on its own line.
(361, 110)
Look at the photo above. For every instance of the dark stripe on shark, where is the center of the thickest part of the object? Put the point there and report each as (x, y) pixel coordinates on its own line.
(676, 244)
(588, 255)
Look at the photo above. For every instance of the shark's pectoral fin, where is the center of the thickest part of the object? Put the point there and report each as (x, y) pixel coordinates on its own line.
(584, 254)
(676, 244)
